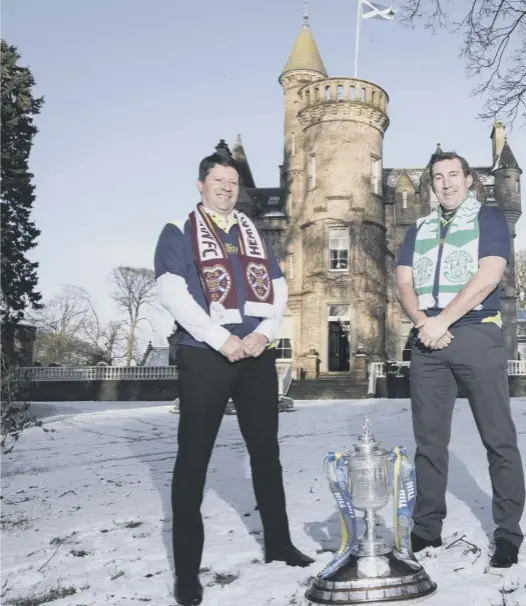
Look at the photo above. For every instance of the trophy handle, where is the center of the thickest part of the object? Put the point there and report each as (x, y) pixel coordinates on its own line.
(404, 496)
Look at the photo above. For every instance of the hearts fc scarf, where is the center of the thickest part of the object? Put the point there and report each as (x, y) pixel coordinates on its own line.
(215, 269)
(459, 260)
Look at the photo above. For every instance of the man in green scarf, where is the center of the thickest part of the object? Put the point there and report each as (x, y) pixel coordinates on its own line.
(447, 276)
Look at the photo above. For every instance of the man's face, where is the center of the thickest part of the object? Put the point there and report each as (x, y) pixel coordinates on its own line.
(220, 189)
(450, 184)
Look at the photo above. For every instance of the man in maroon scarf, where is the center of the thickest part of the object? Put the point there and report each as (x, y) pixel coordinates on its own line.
(221, 282)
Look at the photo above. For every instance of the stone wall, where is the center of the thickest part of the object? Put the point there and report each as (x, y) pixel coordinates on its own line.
(517, 387)
(160, 390)
(163, 390)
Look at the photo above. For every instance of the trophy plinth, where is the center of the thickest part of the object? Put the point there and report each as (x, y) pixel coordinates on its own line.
(367, 569)
(382, 579)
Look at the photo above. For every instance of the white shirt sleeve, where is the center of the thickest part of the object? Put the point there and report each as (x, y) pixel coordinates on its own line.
(270, 326)
(175, 298)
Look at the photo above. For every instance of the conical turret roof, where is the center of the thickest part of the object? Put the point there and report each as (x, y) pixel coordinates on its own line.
(506, 158)
(239, 155)
(305, 54)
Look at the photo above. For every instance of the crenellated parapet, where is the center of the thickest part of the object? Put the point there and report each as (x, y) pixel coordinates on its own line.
(347, 99)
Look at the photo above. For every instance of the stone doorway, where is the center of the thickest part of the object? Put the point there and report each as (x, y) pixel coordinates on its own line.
(339, 347)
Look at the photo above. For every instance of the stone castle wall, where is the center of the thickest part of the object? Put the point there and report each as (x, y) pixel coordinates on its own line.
(333, 127)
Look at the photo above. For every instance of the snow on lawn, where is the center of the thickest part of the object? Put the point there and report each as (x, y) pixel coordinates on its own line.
(86, 515)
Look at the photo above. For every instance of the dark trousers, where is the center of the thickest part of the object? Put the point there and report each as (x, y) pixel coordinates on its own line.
(206, 381)
(476, 361)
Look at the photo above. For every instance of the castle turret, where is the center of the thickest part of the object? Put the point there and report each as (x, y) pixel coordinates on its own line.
(303, 66)
(507, 175)
(239, 155)
(334, 129)
(344, 121)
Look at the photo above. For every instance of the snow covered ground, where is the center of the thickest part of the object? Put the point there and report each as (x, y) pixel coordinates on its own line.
(86, 512)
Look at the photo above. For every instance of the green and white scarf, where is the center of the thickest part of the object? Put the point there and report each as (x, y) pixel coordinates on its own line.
(460, 255)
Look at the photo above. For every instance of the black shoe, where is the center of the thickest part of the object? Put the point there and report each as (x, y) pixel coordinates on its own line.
(188, 590)
(418, 543)
(290, 555)
(506, 554)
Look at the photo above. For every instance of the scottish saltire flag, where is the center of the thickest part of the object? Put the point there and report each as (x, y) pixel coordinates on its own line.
(373, 10)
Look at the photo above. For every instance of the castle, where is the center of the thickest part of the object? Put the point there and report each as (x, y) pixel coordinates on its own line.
(339, 216)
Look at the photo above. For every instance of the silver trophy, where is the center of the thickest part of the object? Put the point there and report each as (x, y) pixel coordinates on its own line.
(366, 569)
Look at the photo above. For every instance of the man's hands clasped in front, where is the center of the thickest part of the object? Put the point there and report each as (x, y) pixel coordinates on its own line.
(434, 333)
(235, 349)
(254, 344)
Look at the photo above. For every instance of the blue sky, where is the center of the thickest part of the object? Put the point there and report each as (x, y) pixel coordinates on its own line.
(138, 91)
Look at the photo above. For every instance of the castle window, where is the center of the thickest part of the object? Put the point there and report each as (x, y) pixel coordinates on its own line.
(352, 93)
(291, 267)
(339, 249)
(490, 192)
(284, 349)
(339, 92)
(404, 199)
(328, 95)
(517, 186)
(293, 144)
(312, 172)
(363, 95)
(375, 174)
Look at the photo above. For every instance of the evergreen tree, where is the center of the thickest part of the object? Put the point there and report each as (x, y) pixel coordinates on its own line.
(18, 232)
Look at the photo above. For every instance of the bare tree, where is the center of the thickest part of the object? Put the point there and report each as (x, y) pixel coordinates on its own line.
(71, 332)
(108, 338)
(520, 278)
(133, 289)
(60, 325)
(493, 36)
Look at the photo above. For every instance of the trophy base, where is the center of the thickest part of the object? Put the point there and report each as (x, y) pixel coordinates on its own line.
(385, 578)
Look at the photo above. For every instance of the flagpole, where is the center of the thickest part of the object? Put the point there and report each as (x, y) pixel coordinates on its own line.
(357, 43)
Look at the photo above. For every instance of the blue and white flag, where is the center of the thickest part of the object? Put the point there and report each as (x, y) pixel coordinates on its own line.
(373, 10)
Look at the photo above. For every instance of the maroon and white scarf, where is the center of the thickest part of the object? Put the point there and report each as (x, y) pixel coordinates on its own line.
(215, 269)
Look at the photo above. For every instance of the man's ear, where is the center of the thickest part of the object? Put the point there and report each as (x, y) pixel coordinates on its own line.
(200, 186)
(469, 180)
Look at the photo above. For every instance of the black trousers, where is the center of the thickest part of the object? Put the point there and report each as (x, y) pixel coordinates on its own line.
(206, 381)
(475, 360)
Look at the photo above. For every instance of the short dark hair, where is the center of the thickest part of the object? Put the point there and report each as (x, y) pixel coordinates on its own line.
(439, 156)
(208, 163)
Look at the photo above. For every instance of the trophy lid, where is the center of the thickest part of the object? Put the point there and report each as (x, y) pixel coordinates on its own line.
(367, 444)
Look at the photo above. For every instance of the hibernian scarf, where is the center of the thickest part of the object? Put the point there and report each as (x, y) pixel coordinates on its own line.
(215, 269)
(460, 254)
